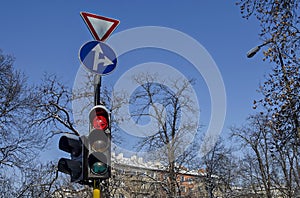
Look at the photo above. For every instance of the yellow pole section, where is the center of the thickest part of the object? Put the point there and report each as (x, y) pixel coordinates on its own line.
(96, 193)
(96, 189)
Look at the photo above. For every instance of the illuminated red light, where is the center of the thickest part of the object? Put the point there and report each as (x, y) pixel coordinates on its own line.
(100, 122)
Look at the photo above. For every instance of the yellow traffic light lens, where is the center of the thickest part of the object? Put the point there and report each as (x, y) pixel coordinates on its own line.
(99, 140)
(99, 145)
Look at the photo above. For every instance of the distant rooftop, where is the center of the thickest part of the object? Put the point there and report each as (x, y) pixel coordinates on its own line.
(139, 162)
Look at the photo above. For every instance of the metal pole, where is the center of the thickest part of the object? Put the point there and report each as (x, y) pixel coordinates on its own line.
(97, 89)
(96, 189)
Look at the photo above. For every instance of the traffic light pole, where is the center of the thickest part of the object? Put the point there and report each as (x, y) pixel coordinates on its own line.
(96, 189)
(97, 92)
(97, 89)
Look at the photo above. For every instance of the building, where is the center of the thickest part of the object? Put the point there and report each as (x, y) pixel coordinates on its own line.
(132, 177)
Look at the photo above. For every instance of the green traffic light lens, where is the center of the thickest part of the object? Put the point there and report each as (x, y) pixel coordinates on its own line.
(99, 168)
(98, 163)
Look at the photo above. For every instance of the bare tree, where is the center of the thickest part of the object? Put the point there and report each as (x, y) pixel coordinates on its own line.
(279, 21)
(221, 168)
(53, 111)
(256, 138)
(270, 164)
(22, 137)
(166, 106)
(19, 139)
(280, 103)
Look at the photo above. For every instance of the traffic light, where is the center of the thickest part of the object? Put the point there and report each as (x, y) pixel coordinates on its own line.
(73, 166)
(99, 144)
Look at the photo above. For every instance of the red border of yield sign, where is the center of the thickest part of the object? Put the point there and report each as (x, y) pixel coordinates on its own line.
(85, 16)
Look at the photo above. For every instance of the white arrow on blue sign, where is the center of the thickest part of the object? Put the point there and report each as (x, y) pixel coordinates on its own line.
(98, 57)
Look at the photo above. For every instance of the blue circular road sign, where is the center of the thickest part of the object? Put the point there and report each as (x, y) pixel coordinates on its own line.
(98, 57)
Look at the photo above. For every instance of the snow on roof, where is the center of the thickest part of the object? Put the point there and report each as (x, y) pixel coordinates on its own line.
(138, 162)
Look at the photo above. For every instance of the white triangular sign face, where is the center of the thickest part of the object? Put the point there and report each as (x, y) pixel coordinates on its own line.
(100, 27)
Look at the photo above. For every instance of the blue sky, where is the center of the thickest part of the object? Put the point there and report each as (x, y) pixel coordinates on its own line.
(45, 36)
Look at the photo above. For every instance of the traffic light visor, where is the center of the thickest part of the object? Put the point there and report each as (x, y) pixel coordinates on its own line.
(70, 167)
(70, 145)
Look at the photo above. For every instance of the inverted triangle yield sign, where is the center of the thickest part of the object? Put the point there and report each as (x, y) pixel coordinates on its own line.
(100, 27)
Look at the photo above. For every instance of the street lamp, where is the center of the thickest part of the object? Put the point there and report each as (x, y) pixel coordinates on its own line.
(254, 50)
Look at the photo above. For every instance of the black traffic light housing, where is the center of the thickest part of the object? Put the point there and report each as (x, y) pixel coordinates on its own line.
(73, 166)
(99, 144)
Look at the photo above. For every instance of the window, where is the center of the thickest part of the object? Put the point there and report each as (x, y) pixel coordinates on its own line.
(182, 178)
(153, 175)
(182, 189)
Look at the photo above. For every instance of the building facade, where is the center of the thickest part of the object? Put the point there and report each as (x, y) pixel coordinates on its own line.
(132, 177)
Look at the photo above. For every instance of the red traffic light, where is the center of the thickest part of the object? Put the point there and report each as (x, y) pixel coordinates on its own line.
(100, 122)
(99, 117)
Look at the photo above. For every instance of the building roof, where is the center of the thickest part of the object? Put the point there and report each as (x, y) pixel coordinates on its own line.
(138, 162)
